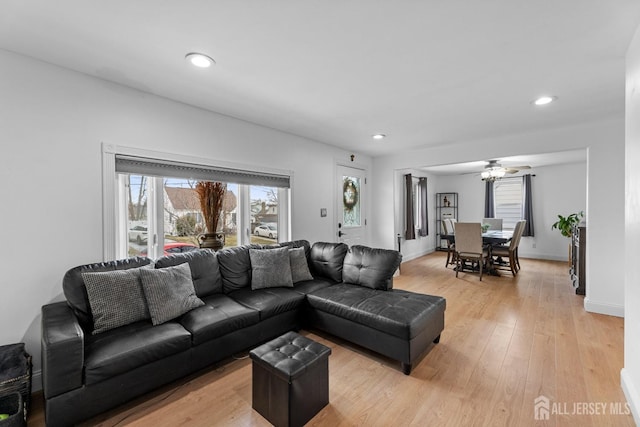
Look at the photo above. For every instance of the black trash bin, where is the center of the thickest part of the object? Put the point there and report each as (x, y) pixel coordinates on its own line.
(12, 410)
(15, 375)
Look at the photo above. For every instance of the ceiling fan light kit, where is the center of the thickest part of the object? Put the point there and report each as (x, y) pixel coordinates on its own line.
(494, 170)
(493, 174)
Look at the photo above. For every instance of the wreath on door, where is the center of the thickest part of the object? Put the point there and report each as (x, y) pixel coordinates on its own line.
(350, 194)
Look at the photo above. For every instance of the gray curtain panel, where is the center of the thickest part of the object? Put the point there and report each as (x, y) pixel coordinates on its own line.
(410, 232)
(489, 205)
(527, 206)
(424, 208)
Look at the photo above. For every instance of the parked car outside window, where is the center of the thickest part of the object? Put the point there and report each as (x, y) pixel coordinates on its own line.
(266, 230)
(138, 234)
(174, 248)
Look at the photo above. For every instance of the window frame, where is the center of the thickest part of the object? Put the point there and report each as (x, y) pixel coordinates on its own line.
(113, 200)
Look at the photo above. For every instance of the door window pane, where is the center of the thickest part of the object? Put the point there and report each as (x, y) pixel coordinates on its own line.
(264, 214)
(350, 201)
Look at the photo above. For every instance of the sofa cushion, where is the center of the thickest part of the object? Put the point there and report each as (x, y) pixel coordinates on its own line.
(169, 292)
(120, 350)
(269, 302)
(399, 313)
(205, 271)
(308, 286)
(116, 298)
(235, 267)
(327, 259)
(218, 316)
(270, 268)
(299, 265)
(75, 290)
(294, 244)
(369, 267)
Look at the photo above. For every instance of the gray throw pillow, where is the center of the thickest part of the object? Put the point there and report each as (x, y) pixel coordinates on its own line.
(299, 267)
(116, 298)
(270, 268)
(170, 292)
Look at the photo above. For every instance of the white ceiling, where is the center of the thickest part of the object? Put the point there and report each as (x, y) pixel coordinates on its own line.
(531, 160)
(423, 72)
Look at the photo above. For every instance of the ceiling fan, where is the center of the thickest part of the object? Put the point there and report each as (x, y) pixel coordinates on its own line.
(494, 170)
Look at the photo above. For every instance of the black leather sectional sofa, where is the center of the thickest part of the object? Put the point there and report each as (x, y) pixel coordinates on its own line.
(350, 295)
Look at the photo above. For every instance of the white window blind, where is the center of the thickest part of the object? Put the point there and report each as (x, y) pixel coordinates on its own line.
(508, 201)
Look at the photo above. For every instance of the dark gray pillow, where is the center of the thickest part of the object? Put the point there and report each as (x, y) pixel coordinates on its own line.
(299, 266)
(116, 298)
(169, 292)
(270, 268)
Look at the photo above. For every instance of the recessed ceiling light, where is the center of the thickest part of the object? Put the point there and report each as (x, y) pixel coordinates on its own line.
(199, 60)
(544, 100)
(379, 136)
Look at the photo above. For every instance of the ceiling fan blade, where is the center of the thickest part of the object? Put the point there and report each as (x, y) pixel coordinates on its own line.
(515, 169)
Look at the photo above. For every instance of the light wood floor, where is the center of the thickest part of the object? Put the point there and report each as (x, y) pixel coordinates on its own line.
(506, 341)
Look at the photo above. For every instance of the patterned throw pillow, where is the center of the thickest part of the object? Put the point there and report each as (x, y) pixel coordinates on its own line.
(170, 292)
(299, 267)
(116, 298)
(270, 268)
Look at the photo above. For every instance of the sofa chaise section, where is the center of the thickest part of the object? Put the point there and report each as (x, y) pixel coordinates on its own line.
(365, 310)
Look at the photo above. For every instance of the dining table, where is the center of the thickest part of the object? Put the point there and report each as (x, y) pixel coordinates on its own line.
(490, 238)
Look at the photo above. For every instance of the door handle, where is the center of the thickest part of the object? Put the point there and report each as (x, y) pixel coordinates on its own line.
(340, 233)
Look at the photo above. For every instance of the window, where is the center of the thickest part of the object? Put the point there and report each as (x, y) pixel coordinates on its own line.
(155, 209)
(417, 202)
(508, 201)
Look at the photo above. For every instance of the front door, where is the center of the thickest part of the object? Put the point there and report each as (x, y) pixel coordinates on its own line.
(350, 215)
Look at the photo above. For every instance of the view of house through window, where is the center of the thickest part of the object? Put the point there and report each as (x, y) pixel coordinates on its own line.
(164, 215)
(508, 201)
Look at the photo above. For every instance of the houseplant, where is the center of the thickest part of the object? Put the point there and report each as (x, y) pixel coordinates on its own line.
(566, 224)
(211, 195)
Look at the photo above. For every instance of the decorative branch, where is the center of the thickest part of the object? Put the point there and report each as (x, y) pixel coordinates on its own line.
(211, 196)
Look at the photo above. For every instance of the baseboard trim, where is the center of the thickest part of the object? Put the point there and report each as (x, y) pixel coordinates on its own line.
(411, 256)
(631, 393)
(601, 308)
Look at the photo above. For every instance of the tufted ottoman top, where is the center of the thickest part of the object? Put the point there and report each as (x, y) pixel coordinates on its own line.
(290, 355)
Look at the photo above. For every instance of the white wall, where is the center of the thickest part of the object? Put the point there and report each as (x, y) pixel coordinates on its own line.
(631, 371)
(52, 124)
(604, 201)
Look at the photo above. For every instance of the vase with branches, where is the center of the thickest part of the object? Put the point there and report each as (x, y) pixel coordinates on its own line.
(211, 195)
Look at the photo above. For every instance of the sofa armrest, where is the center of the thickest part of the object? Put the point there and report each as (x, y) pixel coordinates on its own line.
(62, 349)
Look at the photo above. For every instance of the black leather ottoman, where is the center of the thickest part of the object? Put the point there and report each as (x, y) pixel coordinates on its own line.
(290, 379)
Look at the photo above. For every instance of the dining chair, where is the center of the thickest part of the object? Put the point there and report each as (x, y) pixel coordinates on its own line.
(448, 228)
(494, 223)
(469, 247)
(510, 251)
